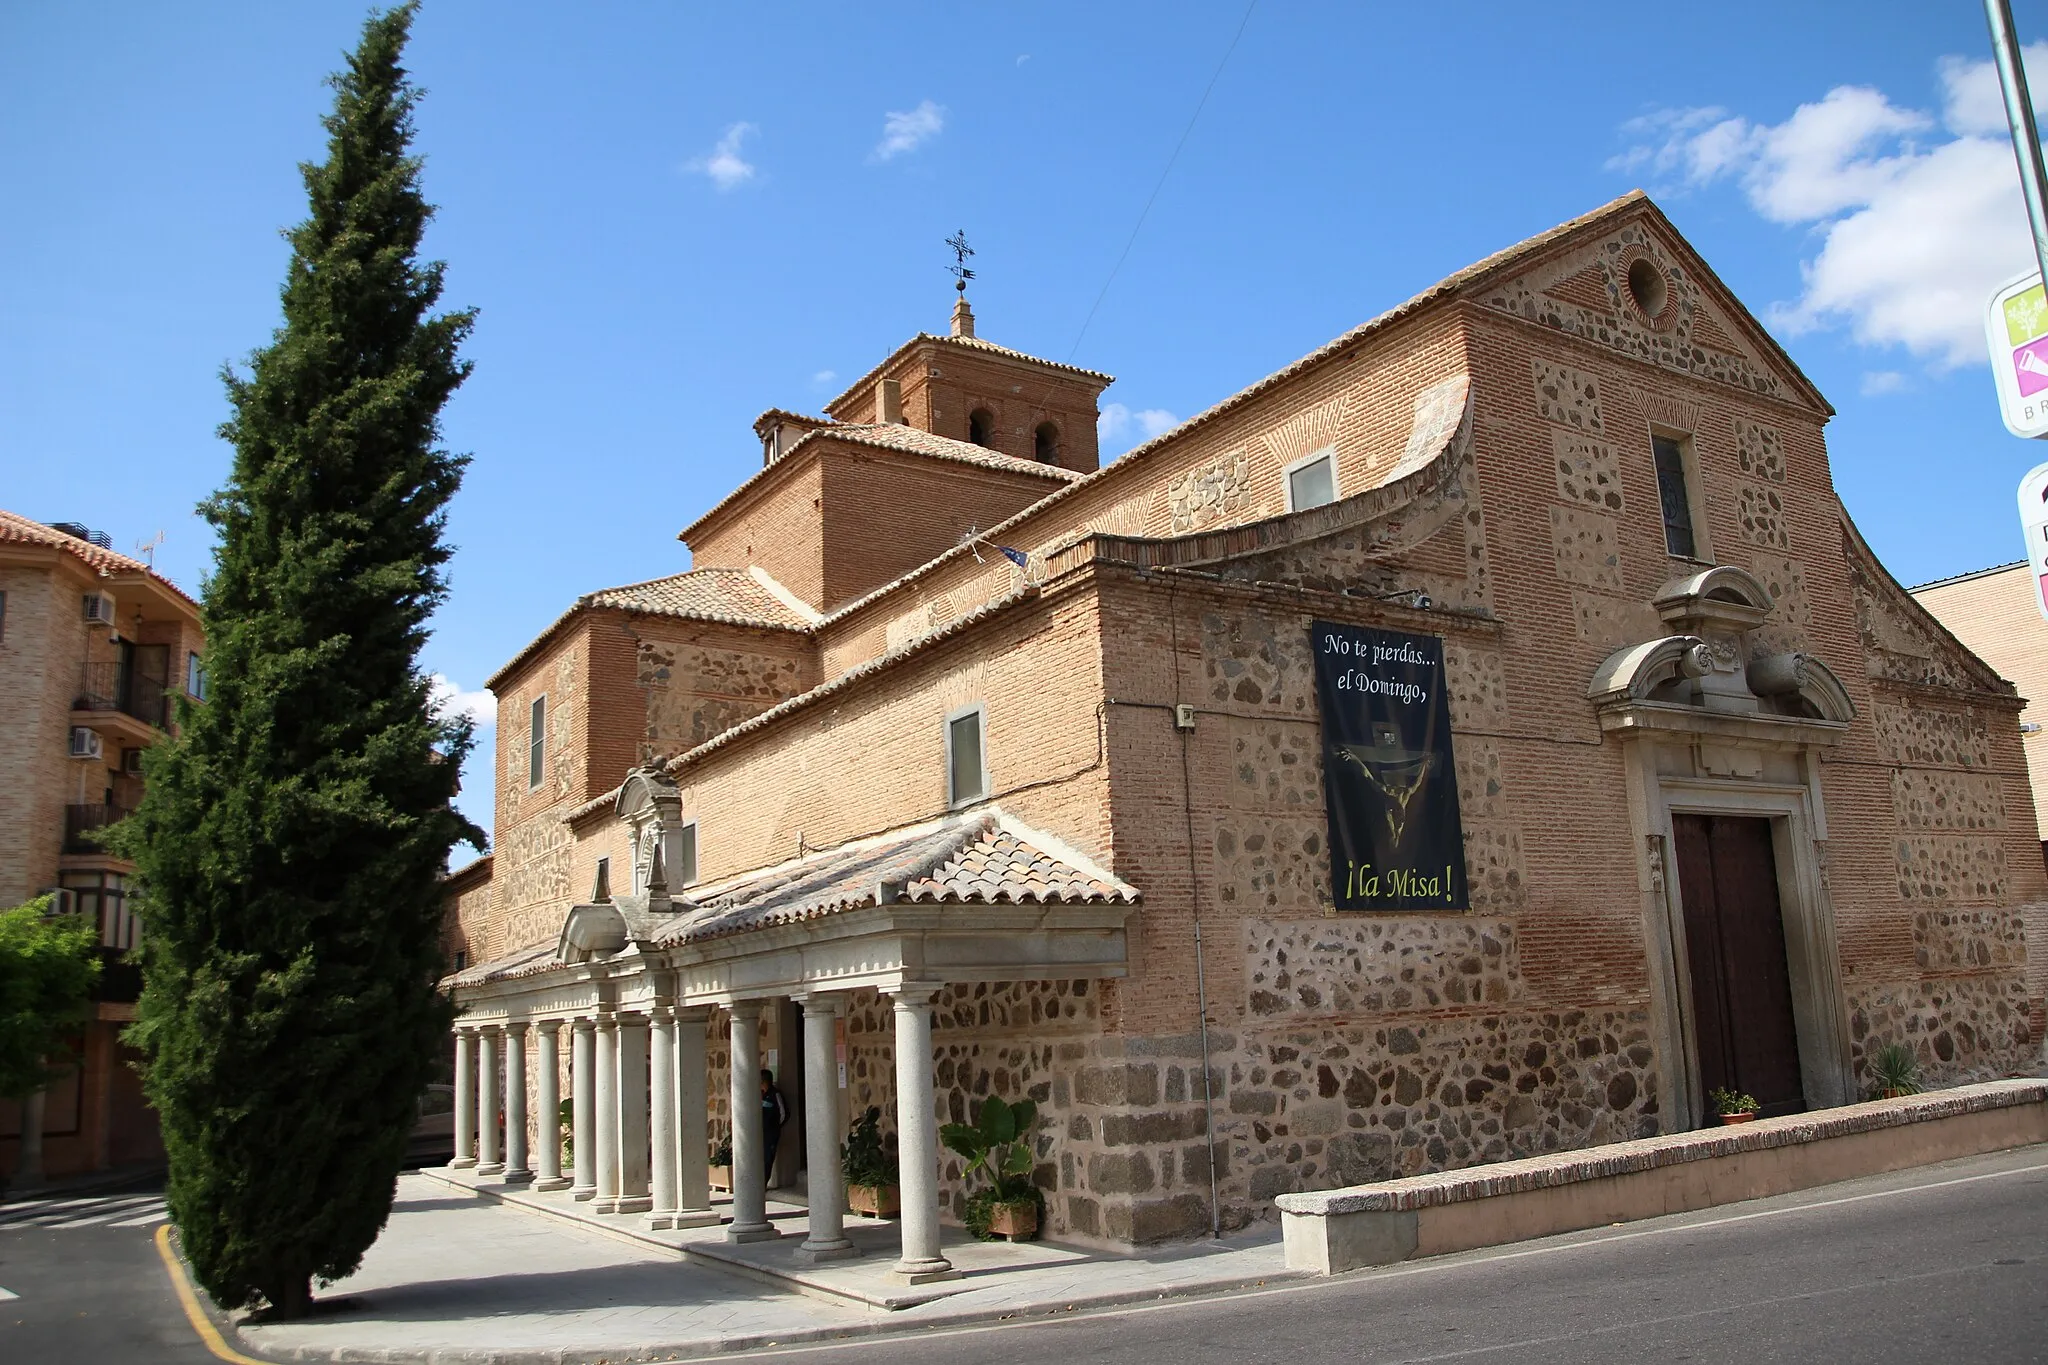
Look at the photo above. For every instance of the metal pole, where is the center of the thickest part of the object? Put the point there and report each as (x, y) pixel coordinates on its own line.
(2019, 113)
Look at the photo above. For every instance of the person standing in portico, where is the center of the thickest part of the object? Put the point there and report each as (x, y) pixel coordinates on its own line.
(774, 1113)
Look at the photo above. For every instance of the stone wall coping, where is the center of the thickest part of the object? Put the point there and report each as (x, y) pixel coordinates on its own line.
(1643, 1154)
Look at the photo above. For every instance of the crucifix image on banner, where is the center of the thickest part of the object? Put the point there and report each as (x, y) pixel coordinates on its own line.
(1388, 776)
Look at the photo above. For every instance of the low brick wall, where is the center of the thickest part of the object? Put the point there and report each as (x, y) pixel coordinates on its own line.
(1334, 1230)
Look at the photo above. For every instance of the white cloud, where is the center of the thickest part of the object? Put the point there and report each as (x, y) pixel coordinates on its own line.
(724, 165)
(1120, 426)
(1918, 217)
(824, 379)
(1023, 57)
(907, 131)
(450, 700)
(1878, 383)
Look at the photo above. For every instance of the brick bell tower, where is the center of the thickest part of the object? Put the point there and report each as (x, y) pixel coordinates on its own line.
(969, 389)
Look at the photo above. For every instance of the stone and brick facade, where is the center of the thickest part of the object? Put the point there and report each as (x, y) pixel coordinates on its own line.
(82, 693)
(1134, 642)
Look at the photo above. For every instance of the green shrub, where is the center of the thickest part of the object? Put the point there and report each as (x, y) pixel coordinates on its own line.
(867, 1158)
(1731, 1102)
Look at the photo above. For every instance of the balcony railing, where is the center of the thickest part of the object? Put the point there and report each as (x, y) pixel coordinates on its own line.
(115, 687)
(81, 821)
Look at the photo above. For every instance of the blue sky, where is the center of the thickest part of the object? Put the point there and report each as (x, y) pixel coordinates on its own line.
(674, 216)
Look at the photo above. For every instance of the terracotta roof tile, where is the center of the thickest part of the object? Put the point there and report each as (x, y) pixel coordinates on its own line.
(730, 595)
(19, 530)
(967, 344)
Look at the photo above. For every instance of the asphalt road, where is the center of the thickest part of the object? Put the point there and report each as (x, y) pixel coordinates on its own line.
(1948, 1263)
(86, 1291)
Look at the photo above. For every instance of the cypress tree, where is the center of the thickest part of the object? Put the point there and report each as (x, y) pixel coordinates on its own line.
(293, 833)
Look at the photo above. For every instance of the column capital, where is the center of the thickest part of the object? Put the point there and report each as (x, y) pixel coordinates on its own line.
(826, 1003)
(551, 1027)
(516, 1028)
(746, 1009)
(583, 1023)
(915, 994)
(691, 1014)
(632, 1019)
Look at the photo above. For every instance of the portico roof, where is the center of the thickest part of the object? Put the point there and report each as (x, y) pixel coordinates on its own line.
(981, 859)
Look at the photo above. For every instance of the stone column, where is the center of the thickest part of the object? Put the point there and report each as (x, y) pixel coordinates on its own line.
(517, 1172)
(917, 1137)
(827, 1234)
(633, 1115)
(28, 1164)
(606, 1142)
(749, 1165)
(548, 1101)
(489, 1080)
(583, 1108)
(661, 1127)
(693, 1120)
(465, 1098)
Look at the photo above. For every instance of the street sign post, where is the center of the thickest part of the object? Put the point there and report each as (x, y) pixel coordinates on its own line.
(2016, 330)
(2034, 520)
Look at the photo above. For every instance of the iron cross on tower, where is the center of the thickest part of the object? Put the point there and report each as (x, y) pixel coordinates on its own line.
(961, 251)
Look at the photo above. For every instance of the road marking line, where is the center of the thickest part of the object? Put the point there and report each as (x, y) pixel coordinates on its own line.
(8, 1294)
(194, 1314)
(1042, 1315)
(144, 1221)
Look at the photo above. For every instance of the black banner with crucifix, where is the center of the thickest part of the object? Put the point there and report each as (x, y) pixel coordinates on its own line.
(1388, 776)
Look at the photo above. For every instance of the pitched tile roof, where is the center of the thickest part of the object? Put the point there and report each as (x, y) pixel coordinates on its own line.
(19, 530)
(965, 343)
(730, 595)
(896, 436)
(971, 860)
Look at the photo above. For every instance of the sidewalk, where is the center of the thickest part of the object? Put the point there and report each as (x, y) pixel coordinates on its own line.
(459, 1277)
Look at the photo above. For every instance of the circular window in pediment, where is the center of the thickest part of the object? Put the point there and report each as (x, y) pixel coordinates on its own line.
(1648, 290)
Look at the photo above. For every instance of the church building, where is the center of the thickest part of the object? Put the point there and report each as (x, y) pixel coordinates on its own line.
(1486, 735)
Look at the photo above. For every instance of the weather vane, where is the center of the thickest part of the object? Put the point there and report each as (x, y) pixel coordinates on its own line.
(961, 251)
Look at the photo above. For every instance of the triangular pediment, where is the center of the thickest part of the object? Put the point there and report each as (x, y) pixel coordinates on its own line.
(1578, 280)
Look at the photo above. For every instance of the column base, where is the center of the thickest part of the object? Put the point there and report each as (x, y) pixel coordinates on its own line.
(826, 1251)
(687, 1218)
(490, 1168)
(604, 1205)
(925, 1271)
(752, 1232)
(554, 1182)
(518, 1177)
(462, 1163)
(633, 1204)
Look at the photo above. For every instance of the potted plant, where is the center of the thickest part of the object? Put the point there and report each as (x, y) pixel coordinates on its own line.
(997, 1144)
(721, 1165)
(1732, 1105)
(565, 1132)
(869, 1165)
(1894, 1072)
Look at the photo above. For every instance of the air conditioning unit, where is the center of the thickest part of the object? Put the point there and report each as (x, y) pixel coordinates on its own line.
(99, 608)
(131, 762)
(85, 743)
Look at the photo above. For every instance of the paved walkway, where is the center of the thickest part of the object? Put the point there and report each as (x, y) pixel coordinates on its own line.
(459, 1277)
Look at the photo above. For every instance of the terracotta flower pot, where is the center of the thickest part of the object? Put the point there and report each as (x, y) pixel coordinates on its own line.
(1732, 1119)
(1018, 1222)
(877, 1201)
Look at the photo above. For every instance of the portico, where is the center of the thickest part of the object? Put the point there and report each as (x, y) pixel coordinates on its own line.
(641, 976)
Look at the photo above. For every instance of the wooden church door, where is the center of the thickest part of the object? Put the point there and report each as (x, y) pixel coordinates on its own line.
(1735, 950)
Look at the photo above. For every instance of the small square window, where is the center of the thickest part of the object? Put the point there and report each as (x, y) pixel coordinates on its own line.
(966, 774)
(1674, 490)
(1312, 482)
(536, 743)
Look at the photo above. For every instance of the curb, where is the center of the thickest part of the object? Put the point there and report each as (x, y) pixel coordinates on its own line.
(885, 1325)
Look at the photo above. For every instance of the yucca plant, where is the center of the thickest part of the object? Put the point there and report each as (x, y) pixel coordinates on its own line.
(1894, 1071)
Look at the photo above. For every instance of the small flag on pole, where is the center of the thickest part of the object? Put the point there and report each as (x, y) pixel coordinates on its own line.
(1017, 557)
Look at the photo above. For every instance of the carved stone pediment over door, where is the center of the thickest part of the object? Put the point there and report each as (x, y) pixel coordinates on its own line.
(1716, 726)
